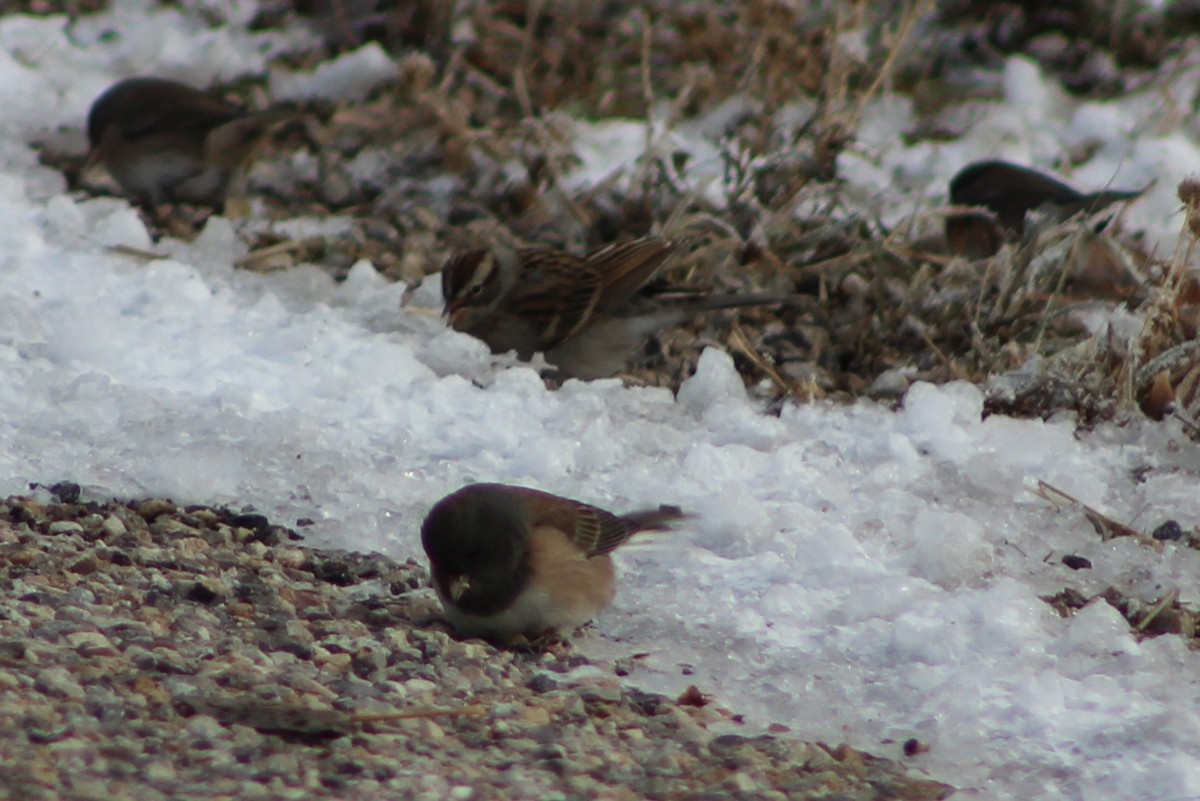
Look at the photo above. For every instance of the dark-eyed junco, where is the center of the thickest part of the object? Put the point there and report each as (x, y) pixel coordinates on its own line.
(164, 141)
(586, 314)
(1010, 191)
(509, 561)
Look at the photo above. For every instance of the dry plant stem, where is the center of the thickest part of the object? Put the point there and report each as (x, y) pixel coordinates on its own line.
(1168, 360)
(1157, 351)
(777, 264)
(1187, 421)
(343, 27)
(1002, 280)
(1106, 528)
(983, 350)
(1008, 267)
(648, 98)
(1167, 600)
(484, 80)
(834, 86)
(1055, 295)
(581, 214)
(520, 82)
(908, 19)
(846, 260)
(739, 340)
(756, 61)
(647, 87)
(1165, 303)
(954, 369)
(450, 73)
(287, 246)
(137, 253)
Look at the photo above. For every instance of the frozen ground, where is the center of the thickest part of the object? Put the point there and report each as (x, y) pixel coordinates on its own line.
(856, 574)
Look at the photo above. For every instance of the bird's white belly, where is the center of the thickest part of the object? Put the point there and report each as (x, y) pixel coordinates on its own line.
(533, 612)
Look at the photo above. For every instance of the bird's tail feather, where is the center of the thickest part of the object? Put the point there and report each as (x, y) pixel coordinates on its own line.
(659, 519)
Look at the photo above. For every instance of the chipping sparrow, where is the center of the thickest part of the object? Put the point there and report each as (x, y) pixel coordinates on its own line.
(586, 314)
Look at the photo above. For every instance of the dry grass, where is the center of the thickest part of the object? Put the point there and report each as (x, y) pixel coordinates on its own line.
(486, 93)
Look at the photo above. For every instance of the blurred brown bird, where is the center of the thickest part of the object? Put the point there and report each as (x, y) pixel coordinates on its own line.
(164, 141)
(586, 314)
(510, 561)
(1009, 191)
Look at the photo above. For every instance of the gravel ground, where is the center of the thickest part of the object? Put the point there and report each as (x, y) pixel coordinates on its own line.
(149, 651)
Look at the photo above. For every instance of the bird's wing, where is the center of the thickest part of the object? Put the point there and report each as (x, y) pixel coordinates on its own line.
(590, 529)
(199, 114)
(597, 531)
(1009, 190)
(557, 293)
(624, 268)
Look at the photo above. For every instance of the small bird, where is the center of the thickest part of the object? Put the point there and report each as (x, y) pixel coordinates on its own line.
(164, 141)
(509, 561)
(1010, 191)
(586, 314)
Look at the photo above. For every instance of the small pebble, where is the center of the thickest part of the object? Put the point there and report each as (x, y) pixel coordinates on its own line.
(172, 660)
(58, 682)
(1168, 531)
(113, 527)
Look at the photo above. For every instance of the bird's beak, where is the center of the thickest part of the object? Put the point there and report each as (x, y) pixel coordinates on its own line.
(458, 586)
(459, 315)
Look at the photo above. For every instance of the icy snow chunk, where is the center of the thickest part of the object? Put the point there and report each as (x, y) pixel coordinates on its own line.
(214, 251)
(1092, 122)
(362, 281)
(598, 445)
(1117, 322)
(1026, 89)
(427, 294)
(717, 395)
(604, 148)
(924, 636)
(957, 401)
(22, 89)
(1099, 630)
(728, 520)
(948, 547)
(371, 166)
(176, 471)
(928, 409)
(450, 352)
(892, 382)
(303, 285)
(1173, 776)
(100, 222)
(716, 122)
(351, 76)
(903, 453)
(715, 381)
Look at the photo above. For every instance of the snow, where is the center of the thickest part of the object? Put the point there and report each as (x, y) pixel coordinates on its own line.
(856, 573)
(1141, 140)
(351, 76)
